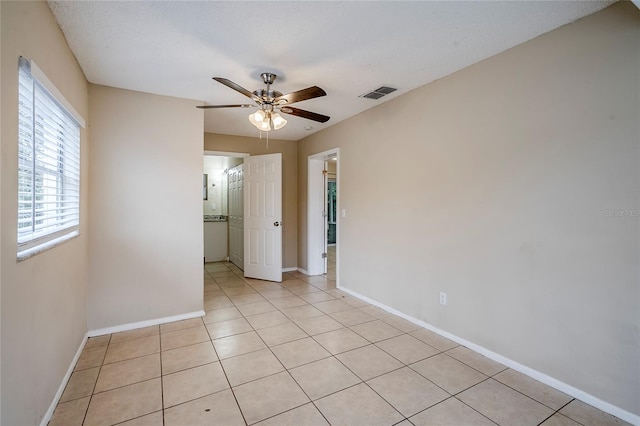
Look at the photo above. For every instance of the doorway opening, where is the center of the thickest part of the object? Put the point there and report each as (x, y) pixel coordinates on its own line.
(222, 208)
(322, 214)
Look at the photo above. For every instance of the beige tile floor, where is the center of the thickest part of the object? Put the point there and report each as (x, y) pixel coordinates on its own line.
(299, 353)
(331, 262)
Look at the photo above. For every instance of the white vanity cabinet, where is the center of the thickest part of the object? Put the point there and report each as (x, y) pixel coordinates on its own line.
(215, 240)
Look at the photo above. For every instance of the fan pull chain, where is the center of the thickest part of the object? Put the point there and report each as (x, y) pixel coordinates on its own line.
(267, 139)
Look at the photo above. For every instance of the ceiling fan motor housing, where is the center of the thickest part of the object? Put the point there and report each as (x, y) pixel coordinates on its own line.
(267, 95)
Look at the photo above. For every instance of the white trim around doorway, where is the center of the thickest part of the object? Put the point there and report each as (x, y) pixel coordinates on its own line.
(315, 209)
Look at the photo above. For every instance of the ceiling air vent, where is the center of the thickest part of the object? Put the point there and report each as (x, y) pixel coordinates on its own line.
(379, 92)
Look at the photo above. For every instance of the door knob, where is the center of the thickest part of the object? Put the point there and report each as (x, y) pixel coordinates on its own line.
(277, 223)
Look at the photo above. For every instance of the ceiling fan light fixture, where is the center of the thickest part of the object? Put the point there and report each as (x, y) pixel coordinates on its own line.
(253, 120)
(271, 102)
(259, 119)
(265, 126)
(266, 120)
(278, 121)
(259, 115)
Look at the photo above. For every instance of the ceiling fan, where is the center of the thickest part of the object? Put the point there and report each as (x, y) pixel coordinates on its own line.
(270, 102)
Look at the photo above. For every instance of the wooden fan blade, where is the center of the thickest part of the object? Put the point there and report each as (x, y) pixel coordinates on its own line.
(224, 106)
(300, 95)
(230, 84)
(305, 114)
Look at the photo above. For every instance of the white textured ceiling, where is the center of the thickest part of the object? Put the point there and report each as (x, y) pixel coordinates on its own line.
(347, 48)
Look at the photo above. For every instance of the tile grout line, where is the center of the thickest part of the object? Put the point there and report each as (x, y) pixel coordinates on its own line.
(84, 418)
(228, 382)
(528, 396)
(348, 369)
(292, 378)
(283, 366)
(462, 402)
(311, 336)
(256, 290)
(129, 384)
(558, 412)
(109, 343)
(404, 365)
(273, 354)
(362, 381)
(161, 375)
(451, 395)
(488, 376)
(138, 417)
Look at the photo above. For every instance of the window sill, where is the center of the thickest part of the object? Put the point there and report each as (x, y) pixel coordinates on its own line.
(32, 251)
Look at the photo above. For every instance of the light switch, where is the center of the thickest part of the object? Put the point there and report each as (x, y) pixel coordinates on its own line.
(213, 206)
(344, 212)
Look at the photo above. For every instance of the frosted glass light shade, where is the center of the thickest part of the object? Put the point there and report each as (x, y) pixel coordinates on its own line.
(265, 126)
(278, 121)
(264, 120)
(254, 121)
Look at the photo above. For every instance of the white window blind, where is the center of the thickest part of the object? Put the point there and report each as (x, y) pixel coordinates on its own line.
(48, 167)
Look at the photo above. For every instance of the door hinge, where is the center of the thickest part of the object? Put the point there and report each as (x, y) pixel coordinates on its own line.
(324, 255)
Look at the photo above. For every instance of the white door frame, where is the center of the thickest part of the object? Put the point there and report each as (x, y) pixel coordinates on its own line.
(224, 154)
(316, 207)
(227, 153)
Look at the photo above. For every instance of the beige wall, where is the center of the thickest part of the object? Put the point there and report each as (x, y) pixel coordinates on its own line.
(146, 213)
(289, 150)
(44, 297)
(214, 167)
(0, 220)
(503, 178)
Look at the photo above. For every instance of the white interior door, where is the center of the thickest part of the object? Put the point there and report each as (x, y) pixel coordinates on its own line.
(263, 217)
(236, 216)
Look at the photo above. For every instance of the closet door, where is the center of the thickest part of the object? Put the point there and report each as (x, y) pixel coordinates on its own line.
(236, 216)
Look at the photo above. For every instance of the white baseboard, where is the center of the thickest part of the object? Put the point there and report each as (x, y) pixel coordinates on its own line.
(63, 384)
(304, 271)
(140, 324)
(289, 269)
(534, 374)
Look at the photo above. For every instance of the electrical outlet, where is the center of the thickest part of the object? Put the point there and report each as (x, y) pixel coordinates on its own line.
(443, 298)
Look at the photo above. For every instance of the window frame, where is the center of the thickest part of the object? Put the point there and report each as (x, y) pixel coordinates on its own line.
(49, 157)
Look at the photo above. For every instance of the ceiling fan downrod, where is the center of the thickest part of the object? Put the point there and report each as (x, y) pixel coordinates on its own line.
(267, 96)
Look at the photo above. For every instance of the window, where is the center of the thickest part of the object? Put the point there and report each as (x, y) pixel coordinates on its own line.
(48, 167)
